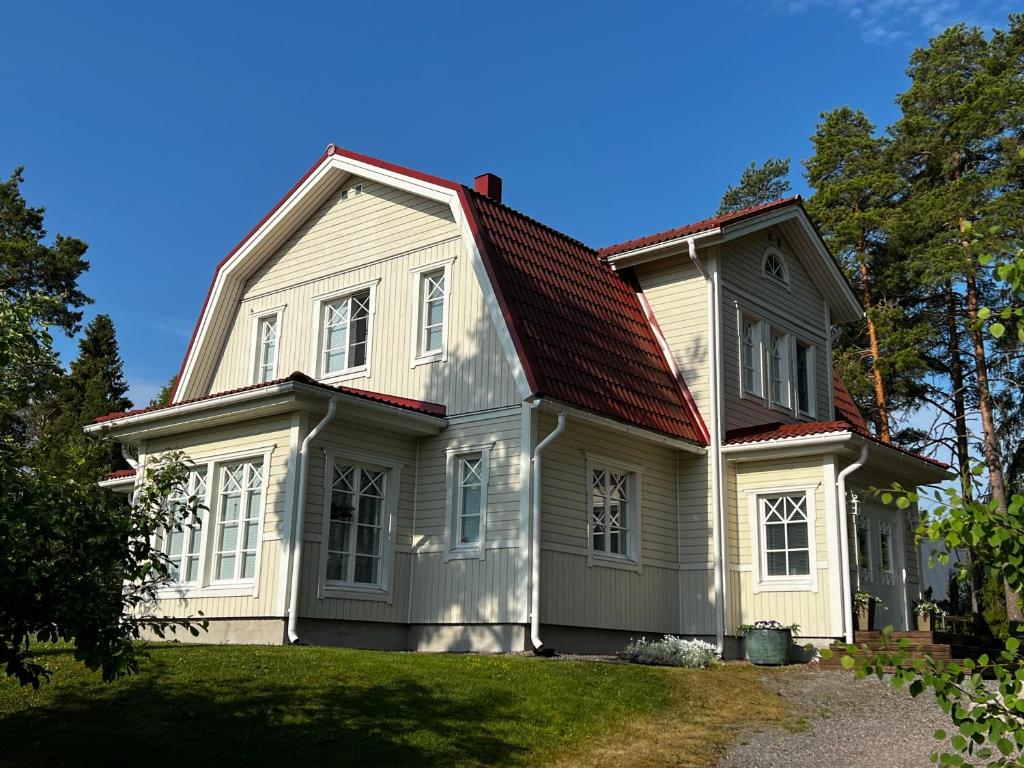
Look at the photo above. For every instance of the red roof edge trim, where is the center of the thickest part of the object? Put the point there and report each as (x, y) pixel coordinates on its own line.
(232, 252)
(499, 295)
(697, 226)
(119, 474)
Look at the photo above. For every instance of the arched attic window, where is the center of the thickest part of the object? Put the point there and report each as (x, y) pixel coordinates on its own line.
(773, 265)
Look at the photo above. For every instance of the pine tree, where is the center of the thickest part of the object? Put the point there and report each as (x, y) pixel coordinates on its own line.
(757, 185)
(95, 386)
(853, 204)
(163, 397)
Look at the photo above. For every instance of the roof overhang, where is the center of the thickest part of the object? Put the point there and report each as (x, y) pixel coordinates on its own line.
(842, 443)
(822, 268)
(285, 397)
(119, 484)
(640, 433)
(312, 190)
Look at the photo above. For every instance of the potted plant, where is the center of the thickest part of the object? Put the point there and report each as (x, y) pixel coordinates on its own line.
(925, 611)
(767, 642)
(864, 609)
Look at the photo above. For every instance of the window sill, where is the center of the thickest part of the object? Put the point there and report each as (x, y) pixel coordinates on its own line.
(611, 561)
(433, 357)
(782, 408)
(353, 373)
(354, 592)
(465, 553)
(786, 585)
(192, 591)
(746, 394)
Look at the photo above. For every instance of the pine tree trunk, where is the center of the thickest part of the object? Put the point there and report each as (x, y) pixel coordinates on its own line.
(990, 445)
(876, 374)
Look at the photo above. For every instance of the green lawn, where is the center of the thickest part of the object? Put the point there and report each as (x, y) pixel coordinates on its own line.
(329, 706)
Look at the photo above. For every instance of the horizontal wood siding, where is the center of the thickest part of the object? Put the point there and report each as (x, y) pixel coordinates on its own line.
(809, 609)
(677, 295)
(798, 310)
(377, 237)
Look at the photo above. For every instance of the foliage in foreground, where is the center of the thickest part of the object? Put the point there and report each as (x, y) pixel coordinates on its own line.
(672, 651)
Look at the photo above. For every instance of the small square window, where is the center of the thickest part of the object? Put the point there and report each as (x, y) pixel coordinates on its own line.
(613, 510)
(785, 535)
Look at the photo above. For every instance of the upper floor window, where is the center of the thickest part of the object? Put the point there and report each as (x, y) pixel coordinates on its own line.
(357, 525)
(345, 333)
(468, 475)
(779, 369)
(614, 510)
(750, 340)
(431, 289)
(785, 535)
(773, 265)
(267, 334)
(184, 544)
(236, 538)
(805, 378)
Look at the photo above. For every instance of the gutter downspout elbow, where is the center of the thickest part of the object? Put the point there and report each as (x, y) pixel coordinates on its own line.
(535, 532)
(844, 536)
(715, 441)
(300, 520)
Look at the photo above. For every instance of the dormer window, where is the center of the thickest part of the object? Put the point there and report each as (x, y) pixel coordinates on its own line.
(773, 265)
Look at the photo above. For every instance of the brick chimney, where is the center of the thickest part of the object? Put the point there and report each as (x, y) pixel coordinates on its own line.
(489, 185)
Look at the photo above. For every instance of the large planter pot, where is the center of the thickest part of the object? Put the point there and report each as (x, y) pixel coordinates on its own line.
(768, 647)
(866, 617)
(924, 622)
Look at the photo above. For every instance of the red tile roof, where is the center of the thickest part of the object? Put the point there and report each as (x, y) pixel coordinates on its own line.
(420, 406)
(697, 226)
(580, 329)
(119, 474)
(845, 408)
(777, 431)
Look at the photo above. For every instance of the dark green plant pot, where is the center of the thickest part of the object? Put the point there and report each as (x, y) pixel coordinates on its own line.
(768, 647)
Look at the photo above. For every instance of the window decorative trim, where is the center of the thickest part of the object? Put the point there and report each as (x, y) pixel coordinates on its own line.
(762, 581)
(257, 346)
(630, 517)
(418, 275)
(383, 589)
(780, 368)
(774, 267)
(455, 455)
(319, 328)
(750, 336)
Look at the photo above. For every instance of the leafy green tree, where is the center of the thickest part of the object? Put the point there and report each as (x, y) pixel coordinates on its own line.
(758, 185)
(29, 266)
(78, 562)
(853, 206)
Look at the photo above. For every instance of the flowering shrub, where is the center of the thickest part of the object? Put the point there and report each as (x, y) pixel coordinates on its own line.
(928, 608)
(770, 624)
(864, 600)
(672, 651)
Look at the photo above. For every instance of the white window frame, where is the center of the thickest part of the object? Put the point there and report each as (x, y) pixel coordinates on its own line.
(216, 522)
(319, 327)
(453, 501)
(864, 549)
(207, 586)
(420, 357)
(188, 527)
(812, 381)
(630, 560)
(785, 367)
(257, 342)
(762, 581)
(383, 591)
(757, 332)
(784, 278)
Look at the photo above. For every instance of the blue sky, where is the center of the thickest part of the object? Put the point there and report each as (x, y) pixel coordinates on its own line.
(160, 133)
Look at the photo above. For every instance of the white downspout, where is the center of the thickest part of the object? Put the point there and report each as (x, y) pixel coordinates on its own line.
(715, 439)
(844, 537)
(300, 520)
(535, 531)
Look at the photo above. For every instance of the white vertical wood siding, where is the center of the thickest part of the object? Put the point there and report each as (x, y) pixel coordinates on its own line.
(235, 440)
(379, 235)
(677, 295)
(426, 588)
(578, 594)
(809, 609)
(798, 310)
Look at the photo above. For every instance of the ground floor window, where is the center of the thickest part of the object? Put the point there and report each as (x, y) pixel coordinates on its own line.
(183, 545)
(785, 535)
(236, 535)
(356, 527)
(613, 510)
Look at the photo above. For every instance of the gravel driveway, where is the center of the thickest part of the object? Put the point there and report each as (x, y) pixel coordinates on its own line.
(840, 721)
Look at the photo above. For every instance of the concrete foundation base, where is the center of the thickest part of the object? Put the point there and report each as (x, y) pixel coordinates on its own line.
(262, 631)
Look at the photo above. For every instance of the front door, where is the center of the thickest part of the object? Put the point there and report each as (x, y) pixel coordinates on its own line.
(880, 558)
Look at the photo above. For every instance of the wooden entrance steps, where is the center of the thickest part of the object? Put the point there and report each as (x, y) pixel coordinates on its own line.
(941, 646)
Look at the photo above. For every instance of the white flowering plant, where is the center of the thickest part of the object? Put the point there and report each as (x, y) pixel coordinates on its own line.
(672, 651)
(770, 624)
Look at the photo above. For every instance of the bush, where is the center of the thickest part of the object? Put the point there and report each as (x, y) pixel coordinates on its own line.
(672, 651)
